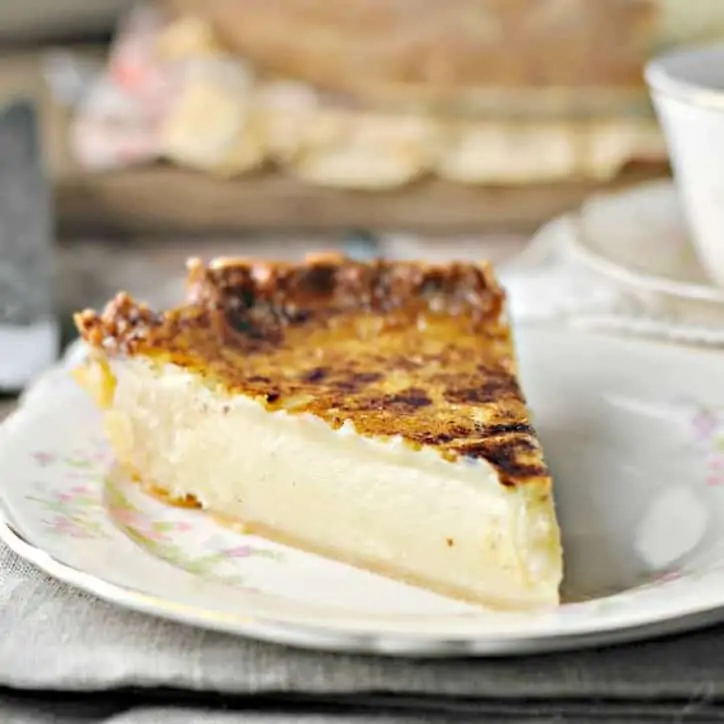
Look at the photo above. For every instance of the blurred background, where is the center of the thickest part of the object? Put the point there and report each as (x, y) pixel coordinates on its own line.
(400, 127)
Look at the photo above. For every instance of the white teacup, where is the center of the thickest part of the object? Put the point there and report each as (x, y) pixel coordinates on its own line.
(687, 88)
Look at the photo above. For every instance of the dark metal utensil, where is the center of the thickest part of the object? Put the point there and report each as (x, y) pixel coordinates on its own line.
(28, 326)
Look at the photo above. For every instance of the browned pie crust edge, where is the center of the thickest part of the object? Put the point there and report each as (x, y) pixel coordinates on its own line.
(398, 348)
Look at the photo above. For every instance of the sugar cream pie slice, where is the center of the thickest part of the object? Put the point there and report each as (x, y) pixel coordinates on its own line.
(368, 412)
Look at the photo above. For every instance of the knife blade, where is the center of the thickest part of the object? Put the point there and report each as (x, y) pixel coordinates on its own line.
(29, 330)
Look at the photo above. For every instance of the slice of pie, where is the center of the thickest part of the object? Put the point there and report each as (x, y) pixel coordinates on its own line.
(368, 412)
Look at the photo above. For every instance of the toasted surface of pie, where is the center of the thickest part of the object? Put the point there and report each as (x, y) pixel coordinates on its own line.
(367, 411)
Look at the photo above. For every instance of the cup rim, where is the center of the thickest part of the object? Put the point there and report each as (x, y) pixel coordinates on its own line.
(662, 77)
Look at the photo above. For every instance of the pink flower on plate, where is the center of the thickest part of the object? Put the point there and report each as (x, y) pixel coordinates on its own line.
(242, 551)
(102, 456)
(69, 527)
(44, 458)
(715, 478)
(60, 523)
(171, 526)
(81, 490)
(127, 516)
(705, 423)
(156, 531)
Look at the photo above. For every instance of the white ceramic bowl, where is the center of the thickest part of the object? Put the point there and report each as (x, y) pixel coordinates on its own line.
(687, 88)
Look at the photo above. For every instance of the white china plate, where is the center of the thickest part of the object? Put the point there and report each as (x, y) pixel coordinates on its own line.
(633, 432)
(639, 239)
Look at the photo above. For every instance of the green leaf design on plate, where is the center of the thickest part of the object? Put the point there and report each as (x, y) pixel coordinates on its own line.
(80, 463)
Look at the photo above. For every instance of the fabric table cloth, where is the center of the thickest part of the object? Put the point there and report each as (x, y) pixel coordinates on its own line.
(57, 639)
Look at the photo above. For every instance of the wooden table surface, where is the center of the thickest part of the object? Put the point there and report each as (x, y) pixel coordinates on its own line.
(165, 199)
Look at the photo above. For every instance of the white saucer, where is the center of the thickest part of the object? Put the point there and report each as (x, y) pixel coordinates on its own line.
(639, 240)
(634, 434)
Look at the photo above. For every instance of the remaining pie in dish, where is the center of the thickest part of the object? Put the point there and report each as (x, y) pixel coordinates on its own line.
(369, 412)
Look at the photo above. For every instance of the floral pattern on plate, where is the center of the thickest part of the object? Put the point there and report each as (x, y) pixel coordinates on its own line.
(639, 486)
(173, 536)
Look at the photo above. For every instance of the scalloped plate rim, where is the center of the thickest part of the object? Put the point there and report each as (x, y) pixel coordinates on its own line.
(579, 243)
(345, 637)
(313, 638)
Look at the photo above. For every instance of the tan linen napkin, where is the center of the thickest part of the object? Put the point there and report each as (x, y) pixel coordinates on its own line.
(58, 639)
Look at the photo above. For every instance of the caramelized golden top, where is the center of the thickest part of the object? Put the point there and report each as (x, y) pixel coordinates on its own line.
(396, 348)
